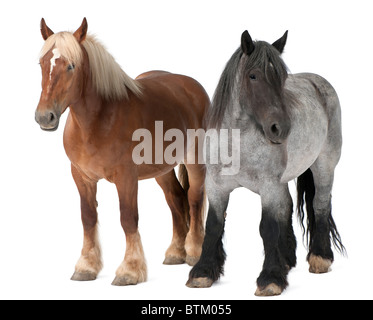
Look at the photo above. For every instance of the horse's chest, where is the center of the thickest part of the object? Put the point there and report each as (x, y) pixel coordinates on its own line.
(89, 164)
(255, 160)
(95, 161)
(261, 161)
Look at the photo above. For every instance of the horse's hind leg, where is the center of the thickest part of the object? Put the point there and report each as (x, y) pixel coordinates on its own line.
(321, 225)
(176, 198)
(318, 184)
(196, 198)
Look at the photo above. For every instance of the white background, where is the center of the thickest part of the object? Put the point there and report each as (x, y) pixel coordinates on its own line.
(40, 228)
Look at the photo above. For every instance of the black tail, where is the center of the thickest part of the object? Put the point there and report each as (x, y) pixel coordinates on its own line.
(306, 194)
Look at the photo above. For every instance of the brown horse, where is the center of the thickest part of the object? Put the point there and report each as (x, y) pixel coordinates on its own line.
(106, 108)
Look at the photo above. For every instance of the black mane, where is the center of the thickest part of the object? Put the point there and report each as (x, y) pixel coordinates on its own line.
(265, 57)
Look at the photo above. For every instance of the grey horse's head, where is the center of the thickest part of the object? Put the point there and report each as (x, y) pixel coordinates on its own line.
(262, 95)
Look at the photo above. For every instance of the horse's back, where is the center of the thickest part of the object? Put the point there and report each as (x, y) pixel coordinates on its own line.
(313, 89)
(317, 87)
(151, 74)
(175, 91)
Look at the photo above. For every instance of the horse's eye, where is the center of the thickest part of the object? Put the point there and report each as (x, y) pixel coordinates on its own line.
(70, 67)
(252, 77)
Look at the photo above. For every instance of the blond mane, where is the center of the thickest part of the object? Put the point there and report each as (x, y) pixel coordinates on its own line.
(110, 81)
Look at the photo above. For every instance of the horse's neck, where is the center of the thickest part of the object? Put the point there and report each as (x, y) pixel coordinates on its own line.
(87, 111)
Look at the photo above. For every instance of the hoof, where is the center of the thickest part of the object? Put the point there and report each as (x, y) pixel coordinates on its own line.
(319, 265)
(83, 276)
(269, 291)
(171, 260)
(199, 283)
(191, 261)
(124, 281)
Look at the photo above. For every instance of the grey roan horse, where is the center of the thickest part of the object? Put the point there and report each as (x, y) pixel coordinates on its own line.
(290, 128)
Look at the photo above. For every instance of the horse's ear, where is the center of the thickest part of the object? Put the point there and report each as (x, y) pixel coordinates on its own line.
(45, 31)
(247, 44)
(280, 43)
(81, 33)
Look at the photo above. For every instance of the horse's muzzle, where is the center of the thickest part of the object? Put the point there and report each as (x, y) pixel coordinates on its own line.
(277, 132)
(48, 120)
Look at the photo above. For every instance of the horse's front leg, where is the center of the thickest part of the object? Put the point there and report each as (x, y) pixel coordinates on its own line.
(279, 241)
(211, 264)
(89, 263)
(133, 269)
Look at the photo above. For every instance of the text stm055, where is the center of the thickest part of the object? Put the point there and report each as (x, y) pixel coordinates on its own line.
(200, 309)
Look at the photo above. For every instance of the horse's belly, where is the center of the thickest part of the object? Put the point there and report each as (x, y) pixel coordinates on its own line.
(153, 171)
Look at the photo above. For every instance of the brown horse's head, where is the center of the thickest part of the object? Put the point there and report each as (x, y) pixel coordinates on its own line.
(61, 81)
(262, 94)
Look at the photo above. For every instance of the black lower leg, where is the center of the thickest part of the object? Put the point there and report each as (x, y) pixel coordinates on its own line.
(211, 263)
(288, 242)
(320, 238)
(276, 266)
(321, 227)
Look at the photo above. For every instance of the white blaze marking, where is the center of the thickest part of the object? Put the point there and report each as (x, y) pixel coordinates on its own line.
(56, 55)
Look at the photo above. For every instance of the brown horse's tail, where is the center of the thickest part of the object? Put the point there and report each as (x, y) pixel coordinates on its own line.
(184, 181)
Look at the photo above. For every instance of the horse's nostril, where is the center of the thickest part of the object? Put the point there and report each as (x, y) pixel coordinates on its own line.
(275, 129)
(52, 117)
